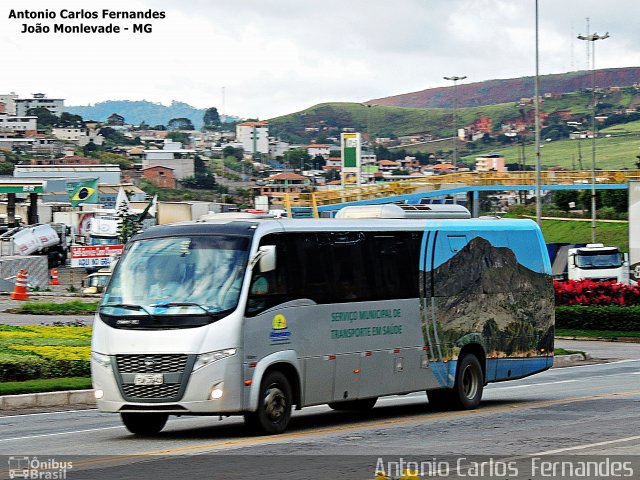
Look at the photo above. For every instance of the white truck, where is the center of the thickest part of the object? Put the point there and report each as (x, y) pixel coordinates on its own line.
(44, 239)
(593, 261)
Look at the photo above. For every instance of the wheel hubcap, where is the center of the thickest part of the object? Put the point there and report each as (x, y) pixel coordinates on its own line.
(469, 383)
(275, 403)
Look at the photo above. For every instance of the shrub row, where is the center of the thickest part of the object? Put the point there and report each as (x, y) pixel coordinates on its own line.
(29, 368)
(588, 292)
(613, 317)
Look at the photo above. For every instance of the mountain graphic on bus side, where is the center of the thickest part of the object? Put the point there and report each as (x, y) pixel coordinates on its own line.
(484, 292)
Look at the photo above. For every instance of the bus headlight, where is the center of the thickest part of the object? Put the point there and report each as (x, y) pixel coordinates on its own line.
(101, 359)
(210, 357)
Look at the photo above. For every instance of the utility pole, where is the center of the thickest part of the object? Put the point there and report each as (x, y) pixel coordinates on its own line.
(455, 79)
(592, 39)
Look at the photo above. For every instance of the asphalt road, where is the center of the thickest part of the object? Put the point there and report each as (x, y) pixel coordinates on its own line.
(582, 410)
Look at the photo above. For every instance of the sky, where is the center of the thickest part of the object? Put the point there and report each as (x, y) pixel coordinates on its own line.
(265, 58)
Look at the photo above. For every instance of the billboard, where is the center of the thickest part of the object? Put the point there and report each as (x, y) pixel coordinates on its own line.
(350, 153)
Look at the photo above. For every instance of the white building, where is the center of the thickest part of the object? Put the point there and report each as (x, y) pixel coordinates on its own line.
(15, 124)
(254, 137)
(318, 149)
(54, 105)
(80, 135)
(9, 102)
(277, 148)
(105, 173)
(172, 156)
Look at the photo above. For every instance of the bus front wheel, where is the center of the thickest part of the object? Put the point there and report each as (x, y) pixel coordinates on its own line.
(467, 389)
(144, 423)
(274, 405)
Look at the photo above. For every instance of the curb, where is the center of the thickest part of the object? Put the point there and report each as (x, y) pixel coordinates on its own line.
(47, 399)
(602, 339)
(567, 360)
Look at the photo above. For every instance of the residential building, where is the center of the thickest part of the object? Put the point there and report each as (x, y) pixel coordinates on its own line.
(254, 137)
(172, 156)
(160, 176)
(78, 135)
(9, 102)
(318, 149)
(66, 160)
(490, 162)
(277, 148)
(54, 105)
(388, 165)
(12, 124)
(105, 173)
(276, 186)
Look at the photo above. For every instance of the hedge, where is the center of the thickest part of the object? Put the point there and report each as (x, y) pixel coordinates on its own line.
(29, 368)
(614, 317)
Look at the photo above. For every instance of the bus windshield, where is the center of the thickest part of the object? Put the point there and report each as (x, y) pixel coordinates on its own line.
(178, 276)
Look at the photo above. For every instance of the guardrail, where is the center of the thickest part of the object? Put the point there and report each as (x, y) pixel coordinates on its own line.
(452, 180)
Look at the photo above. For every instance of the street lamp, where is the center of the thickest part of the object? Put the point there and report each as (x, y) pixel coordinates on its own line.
(455, 119)
(537, 130)
(592, 38)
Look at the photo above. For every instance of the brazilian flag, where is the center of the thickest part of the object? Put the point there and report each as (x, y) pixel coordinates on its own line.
(83, 192)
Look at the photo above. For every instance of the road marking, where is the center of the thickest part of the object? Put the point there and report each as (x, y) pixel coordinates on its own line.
(48, 413)
(253, 441)
(535, 384)
(381, 423)
(588, 445)
(28, 437)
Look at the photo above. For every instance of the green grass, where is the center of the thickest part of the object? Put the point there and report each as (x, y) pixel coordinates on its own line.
(74, 307)
(612, 153)
(569, 231)
(609, 334)
(45, 385)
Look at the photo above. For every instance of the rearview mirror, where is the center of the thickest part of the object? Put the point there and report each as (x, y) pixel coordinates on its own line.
(267, 258)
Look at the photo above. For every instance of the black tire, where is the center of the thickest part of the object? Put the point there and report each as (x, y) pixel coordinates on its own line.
(361, 405)
(144, 423)
(274, 405)
(467, 389)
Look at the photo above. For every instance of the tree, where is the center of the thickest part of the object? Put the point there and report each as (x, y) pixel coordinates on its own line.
(181, 137)
(562, 198)
(89, 148)
(297, 158)
(46, 119)
(616, 199)
(129, 223)
(69, 120)
(180, 124)
(205, 181)
(211, 118)
(230, 151)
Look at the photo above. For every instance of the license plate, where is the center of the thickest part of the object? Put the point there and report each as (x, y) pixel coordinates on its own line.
(148, 379)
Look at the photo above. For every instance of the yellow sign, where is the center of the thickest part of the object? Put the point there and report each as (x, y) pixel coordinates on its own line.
(279, 322)
(350, 178)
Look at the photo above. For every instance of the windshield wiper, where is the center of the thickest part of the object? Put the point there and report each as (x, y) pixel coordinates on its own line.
(182, 304)
(129, 306)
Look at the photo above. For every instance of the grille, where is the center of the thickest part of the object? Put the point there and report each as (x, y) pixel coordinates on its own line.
(151, 391)
(151, 363)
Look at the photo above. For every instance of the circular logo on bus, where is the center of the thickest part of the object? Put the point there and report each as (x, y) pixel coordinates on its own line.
(279, 322)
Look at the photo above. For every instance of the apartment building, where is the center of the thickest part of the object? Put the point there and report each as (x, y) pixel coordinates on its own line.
(254, 137)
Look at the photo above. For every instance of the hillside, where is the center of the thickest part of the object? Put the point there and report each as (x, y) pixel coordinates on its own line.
(492, 92)
(135, 112)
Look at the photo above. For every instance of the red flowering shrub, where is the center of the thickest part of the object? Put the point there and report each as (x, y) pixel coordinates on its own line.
(588, 292)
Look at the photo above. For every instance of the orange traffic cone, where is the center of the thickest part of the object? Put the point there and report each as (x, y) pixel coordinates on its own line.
(53, 277)
(20, 290)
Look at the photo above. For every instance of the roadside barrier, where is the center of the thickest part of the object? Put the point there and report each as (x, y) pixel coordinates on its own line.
(20, 290)
(53, 277)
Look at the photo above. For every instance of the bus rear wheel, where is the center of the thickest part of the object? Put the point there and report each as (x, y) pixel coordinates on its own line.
(361, 405)
(274, 405)
(467, 389)
(144, 423)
